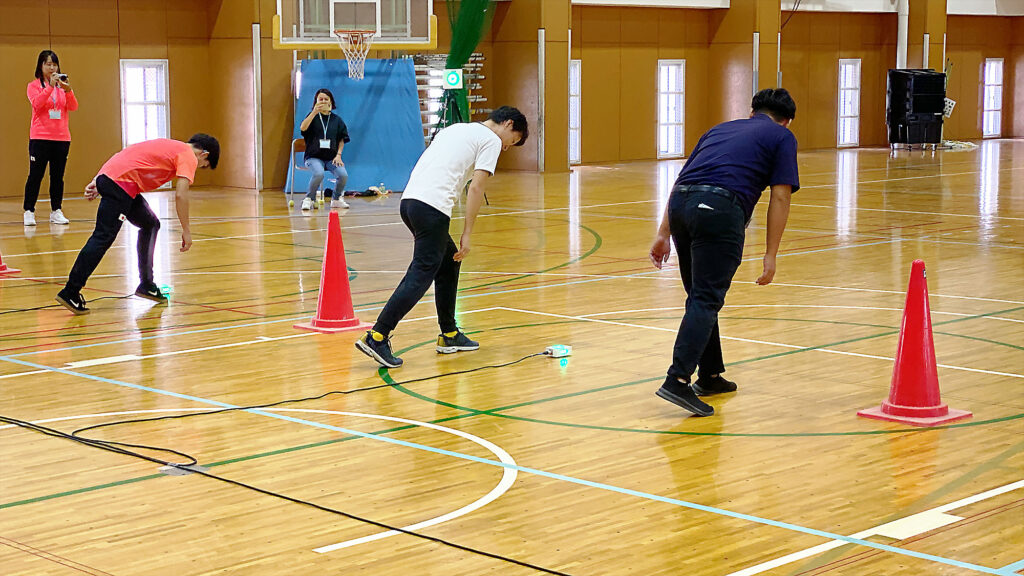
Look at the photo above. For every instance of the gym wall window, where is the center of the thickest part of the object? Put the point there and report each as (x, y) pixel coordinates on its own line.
(145, 113)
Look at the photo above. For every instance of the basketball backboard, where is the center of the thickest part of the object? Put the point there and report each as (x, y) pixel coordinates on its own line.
(398, 24)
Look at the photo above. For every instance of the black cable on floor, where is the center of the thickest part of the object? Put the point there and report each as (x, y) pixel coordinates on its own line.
(119, 448)
(14, 310)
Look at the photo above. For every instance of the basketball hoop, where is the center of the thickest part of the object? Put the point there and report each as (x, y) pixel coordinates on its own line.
(356, 45)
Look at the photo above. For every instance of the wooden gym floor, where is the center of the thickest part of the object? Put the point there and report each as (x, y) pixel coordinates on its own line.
(571, 465)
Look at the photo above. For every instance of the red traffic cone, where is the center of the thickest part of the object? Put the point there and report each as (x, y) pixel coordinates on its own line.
(334, 311)
(914, 392)
(4, 269)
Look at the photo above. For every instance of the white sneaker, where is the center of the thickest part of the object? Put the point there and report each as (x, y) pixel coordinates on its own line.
(30, 218)
(307, 203)
(339, 203)
(57, 217)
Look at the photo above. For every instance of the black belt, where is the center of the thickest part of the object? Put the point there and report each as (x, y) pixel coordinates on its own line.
(687, 188)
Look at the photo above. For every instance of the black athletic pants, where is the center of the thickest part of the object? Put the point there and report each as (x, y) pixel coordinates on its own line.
(41, 153)
(115, 207)
(433, 249)
(707, 225)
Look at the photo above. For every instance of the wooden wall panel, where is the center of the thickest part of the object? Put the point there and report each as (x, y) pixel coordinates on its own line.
(191, 111)
(84, 18)
(278, 113)
(601, 106)
(515, 64)
(24, 18)
(638, 118)
(231, 103)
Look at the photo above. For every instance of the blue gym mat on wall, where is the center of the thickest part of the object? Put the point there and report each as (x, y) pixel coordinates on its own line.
(382, 112)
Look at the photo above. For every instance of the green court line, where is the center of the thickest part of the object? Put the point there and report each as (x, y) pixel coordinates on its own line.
(386, 377)
(497, 412)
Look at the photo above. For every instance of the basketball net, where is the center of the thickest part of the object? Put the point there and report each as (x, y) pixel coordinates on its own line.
(356, 45)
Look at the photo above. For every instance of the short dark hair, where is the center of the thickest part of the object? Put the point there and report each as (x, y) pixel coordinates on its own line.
(42, 60)
(329, 95)
(209, 145)
(775, 102)
(501, 115)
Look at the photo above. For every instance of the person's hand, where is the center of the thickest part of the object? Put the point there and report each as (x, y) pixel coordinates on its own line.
(90, 190)
(323, 108)
(463, 248)
(769, 271)
(660, 251)
(62, 83)
(338, 162)
(186, 240)
(53, 79)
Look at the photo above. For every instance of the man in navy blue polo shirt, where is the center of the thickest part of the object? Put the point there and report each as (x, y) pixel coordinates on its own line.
(710, 205)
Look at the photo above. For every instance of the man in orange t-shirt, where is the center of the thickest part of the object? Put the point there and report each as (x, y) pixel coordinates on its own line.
(138, 168)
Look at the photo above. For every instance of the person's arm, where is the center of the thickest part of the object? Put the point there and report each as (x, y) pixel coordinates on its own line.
(39, 97)
(474, 199)
(181, 206)
(337, 159)
(662, 246)
(90, 191)
(778, 214)
(304, 125)
(69, 96)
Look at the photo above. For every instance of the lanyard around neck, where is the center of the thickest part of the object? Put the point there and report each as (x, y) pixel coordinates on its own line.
(321, 117)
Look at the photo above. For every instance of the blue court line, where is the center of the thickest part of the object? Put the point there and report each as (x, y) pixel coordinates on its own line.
(299, 316)
(599, 485)
(1014, 568)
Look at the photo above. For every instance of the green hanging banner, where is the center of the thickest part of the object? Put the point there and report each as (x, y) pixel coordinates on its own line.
(469, 19)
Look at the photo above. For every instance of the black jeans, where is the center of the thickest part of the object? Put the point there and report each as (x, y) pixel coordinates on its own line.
(433, 249)
(115, 207)
(707, 225)
(41, 153)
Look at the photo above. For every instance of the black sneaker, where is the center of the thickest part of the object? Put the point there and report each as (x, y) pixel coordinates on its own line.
(379, 351)
(150, 291)
(458, 343)
(74, 302)
(712, 385)
(681, 395)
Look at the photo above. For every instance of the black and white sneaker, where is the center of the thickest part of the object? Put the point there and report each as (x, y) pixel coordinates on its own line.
(379, 351)
(150, 291)
(682, 395)
(458, 343)
(74, 302)
(707, 386)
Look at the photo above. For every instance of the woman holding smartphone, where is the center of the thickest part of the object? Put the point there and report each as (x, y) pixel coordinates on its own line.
(49, 138)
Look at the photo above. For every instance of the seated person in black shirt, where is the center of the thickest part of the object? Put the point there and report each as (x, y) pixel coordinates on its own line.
(325, 134)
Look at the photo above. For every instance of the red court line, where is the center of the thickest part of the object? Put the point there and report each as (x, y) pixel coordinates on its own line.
(53, 557)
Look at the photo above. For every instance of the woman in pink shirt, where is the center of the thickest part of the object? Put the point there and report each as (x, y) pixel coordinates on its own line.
(49, 138)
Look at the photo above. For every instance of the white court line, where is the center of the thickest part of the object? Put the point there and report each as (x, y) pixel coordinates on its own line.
(508, 476)
(666, 308)
(259, 340)
(979, 216)
(852, 289)
(901, 529)
(778, 344)
(16, 374)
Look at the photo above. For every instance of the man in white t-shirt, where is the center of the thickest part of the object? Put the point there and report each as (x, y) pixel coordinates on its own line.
(458, 153)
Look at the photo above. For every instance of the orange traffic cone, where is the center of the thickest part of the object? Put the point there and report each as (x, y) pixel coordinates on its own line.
(334, 311)
(4, 269)
(914, 392)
